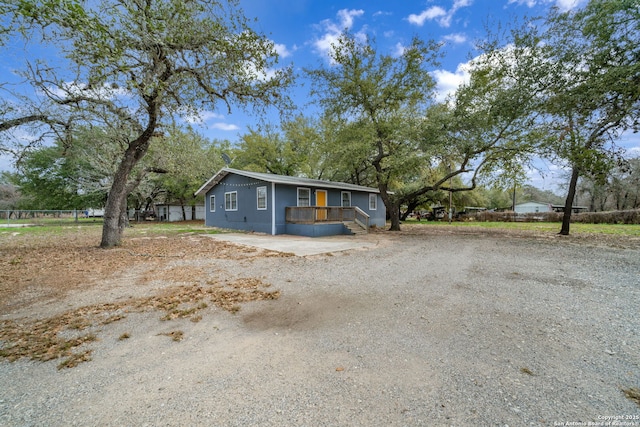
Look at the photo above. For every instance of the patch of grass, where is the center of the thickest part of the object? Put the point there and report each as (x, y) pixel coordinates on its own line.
(41, 340)
(176, 336)
(92, 225)
(527, 371)
(113, 318)
(179, 313)
(169, 228)
(48, 339)
(550, 227)
(75, 359)
(15, 261)
(124, 336)
(632, 393)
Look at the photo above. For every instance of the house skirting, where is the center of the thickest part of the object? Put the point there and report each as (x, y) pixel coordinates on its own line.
(316, 230)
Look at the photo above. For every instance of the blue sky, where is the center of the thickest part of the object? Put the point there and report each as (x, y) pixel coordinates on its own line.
(303, 30)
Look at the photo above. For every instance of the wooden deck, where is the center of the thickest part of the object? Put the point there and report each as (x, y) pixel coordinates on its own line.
(327, 214)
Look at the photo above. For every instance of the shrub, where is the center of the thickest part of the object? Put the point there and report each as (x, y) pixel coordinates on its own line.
(611, 217)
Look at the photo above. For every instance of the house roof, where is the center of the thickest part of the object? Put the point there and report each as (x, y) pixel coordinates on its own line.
(281, 179)
(533, 202)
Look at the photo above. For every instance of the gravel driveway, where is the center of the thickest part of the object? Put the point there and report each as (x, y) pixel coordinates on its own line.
(416, 330)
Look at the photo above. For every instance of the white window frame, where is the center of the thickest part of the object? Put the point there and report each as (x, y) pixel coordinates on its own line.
(264, 197)
(342, 194)
(373, 202)
(229, 199)
(308, 190)
(212, 203)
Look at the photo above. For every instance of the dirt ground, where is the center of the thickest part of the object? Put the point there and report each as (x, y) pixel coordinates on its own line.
(428, 327)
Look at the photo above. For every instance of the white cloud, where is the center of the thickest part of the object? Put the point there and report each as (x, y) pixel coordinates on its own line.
(429, 14)
(447, 82)
(381, 13)
(630, 142)
(198, 117)
(529, 3)
(209, 115)
(325, 43)
(440, 15)
(456, 38)
(346, 17)
(462, 3)
(566, 5)
(633, 152)
(563, 5)
(224, 126)
(332, 30)
(281, 50)
(399, 50)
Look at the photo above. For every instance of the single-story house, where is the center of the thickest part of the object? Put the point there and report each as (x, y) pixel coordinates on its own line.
(277, 204)
(536, 207)
(168, 212)
(533, 207)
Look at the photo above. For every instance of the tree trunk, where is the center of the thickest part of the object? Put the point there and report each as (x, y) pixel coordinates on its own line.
(410, 208)
(111, 228)
(115, 211)
(568, 203)
(394, 216)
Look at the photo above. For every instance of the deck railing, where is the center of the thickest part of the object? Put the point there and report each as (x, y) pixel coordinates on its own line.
(362, 218)
(319, 214)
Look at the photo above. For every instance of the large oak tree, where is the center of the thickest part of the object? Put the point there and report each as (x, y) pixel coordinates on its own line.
(391, 124)
(592, 58)
(136, 66)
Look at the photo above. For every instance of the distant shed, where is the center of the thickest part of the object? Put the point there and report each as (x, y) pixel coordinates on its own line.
(171, 213)
(540, 207)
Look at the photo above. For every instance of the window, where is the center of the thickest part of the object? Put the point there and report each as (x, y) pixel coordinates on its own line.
(262, 198)
(304, 197)
(373, 202)
(231, 201)
(212, 203)
(346, 199)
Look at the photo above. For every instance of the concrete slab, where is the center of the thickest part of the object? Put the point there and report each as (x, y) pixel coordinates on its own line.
(298, 245)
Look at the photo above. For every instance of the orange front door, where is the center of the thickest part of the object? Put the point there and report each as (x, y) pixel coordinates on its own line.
(321, 201)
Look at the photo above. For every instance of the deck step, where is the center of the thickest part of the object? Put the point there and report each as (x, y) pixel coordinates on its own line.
(354, 228)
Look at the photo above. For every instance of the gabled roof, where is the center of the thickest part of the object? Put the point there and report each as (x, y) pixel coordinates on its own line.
(281, 179)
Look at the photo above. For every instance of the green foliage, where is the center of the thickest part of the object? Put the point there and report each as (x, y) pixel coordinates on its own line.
(269, 151)
(186, 160)
(593, 93)
(49, 178)
(619, 190)
(376, 101)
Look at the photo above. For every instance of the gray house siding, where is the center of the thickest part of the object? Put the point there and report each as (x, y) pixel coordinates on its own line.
(378, 217)
(246, 216)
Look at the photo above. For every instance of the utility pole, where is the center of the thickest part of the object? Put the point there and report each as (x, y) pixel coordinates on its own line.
(450, 196)
(514, 200)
